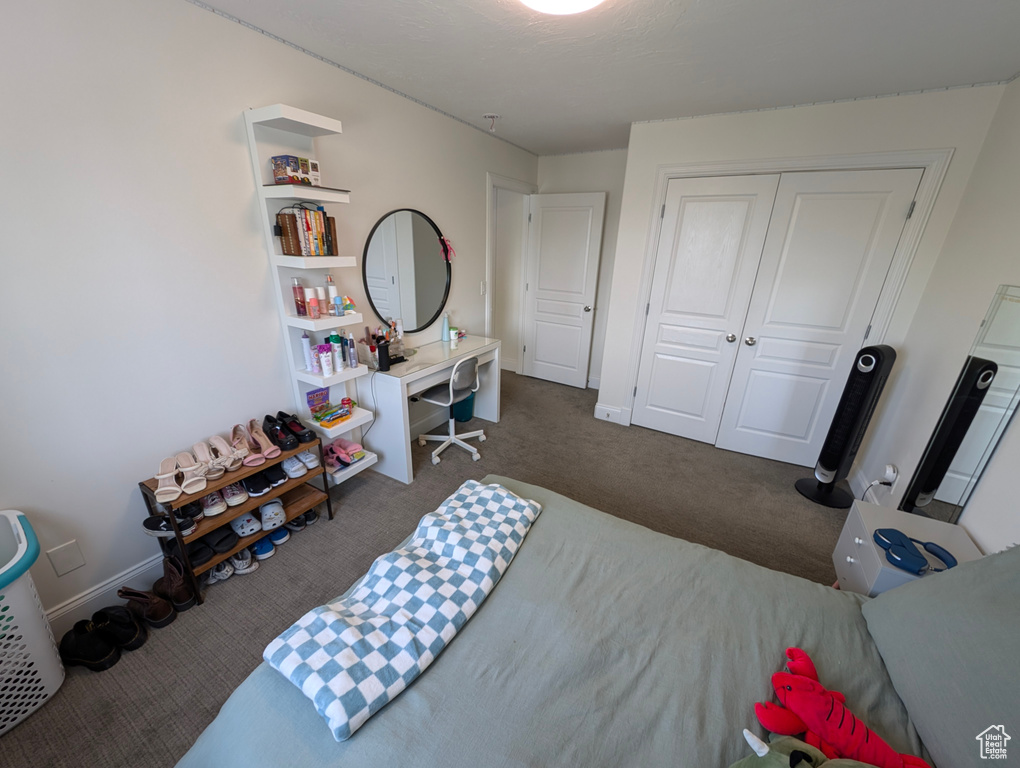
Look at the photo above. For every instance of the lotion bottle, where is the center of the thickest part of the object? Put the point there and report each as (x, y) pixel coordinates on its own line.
(446, 326)
(306, 348)
(338, 351)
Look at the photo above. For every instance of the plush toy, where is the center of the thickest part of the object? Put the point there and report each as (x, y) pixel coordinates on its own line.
(788, 752)
(805, 706)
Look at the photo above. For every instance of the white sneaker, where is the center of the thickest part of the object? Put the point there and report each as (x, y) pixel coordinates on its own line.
(294, 468)
(244, 563)
(221, 572)
(309, 459)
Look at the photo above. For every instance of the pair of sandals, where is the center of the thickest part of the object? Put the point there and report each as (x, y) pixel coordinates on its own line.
(341, 453)
(207, 460)
(253, 444)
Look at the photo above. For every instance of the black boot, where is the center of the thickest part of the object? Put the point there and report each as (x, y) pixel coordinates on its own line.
(118, 625)
(84, 646)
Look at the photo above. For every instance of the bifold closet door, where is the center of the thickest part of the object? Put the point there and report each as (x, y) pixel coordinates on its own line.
(709, 246)
(829, 246)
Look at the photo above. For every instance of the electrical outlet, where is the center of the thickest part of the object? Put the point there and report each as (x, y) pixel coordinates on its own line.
(482, 288)
(66, 557)
(891, 473)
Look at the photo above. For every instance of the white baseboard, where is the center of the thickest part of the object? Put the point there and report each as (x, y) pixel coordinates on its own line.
(593, 382)
(508, 364)
(62, 617)
(613, 414)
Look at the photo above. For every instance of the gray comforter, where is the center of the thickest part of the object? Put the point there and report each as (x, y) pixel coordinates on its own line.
(605, 644)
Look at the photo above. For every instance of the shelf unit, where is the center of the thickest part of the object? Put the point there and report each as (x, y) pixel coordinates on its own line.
(281, 129)
(297, 494)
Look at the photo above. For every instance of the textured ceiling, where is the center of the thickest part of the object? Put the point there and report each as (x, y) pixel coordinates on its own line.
(575, 83)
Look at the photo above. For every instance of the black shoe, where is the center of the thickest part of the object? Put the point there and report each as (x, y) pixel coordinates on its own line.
(160, 526)
(297, 524)
(84, 646)
(292, 425)
(198, 552)
(310, 517)
(257, 484)
(118, 625)
(279, 435)
(192, 509)
(275, 475)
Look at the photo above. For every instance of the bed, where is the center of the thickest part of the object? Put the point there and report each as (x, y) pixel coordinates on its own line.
(607, 644)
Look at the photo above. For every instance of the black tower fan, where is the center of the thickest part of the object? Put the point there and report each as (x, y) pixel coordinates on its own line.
(971, 387)
(872, 366)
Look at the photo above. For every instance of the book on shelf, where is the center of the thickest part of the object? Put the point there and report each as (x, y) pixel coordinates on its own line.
(290, 242)
(306, 232)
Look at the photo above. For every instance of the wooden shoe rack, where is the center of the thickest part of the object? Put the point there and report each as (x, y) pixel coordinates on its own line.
(297, 494)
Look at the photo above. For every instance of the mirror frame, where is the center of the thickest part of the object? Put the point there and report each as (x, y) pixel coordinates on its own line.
(446, 258)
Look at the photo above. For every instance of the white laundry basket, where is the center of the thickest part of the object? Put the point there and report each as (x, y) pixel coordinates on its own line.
(30, 668)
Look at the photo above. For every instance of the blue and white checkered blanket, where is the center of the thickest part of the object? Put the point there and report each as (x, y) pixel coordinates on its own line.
(355, 654)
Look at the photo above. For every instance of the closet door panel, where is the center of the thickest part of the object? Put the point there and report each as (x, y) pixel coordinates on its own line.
(709, 247)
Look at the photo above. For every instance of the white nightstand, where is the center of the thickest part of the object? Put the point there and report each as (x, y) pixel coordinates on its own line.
(861, 564)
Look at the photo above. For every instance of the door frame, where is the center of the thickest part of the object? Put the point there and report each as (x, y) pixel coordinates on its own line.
(934, 163)
(492, 183)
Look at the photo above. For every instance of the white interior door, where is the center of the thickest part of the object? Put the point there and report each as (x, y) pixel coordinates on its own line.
(710, 242)
(564, 244)
(826, 255)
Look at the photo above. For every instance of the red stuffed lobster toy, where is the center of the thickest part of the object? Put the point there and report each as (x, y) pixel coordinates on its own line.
(805, 706)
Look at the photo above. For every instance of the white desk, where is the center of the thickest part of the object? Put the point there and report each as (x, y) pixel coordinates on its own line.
(386, 394)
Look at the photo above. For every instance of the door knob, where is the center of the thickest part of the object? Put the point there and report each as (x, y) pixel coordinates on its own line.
(750, 341)
(587, 308)
(731, 337)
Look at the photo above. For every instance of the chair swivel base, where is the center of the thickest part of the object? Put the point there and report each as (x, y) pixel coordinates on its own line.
(454, 438)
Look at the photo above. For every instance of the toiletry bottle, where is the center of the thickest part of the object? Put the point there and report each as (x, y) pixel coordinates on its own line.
(299, 297)
(446, 326)
(320, 294)
(338, 352)
(326, 359)
(306, 348)
(331, 294)
(352, 350)
(313, 308)
(454, 338)
(309, 298)
(338, 307)
(316, 367)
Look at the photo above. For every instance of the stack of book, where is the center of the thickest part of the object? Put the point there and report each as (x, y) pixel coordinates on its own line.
(307, 232)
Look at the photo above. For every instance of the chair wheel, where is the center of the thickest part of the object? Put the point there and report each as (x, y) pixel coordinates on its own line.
(481, 438)
(435, 459)
(421, 442)
(476, 456)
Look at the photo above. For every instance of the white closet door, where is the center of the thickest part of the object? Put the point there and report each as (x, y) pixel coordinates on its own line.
(828, 249)
(564, 245)
(710, 243)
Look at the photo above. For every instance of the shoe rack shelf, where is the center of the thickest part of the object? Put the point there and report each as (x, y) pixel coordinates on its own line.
(282, 129)
(297, 494)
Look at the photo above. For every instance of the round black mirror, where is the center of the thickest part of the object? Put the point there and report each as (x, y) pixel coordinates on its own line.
(406, 269)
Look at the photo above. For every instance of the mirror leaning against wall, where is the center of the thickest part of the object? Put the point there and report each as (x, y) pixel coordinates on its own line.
(406, 269)
(977, 413)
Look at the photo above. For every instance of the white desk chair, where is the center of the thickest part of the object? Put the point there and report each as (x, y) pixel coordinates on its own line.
(463, 382)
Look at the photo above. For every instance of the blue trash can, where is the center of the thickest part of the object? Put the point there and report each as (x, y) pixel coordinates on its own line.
(465, 409)
(30, 665)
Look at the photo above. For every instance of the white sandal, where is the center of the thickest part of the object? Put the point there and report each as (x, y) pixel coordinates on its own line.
(214, 468)
(167, 490)
(223, 454)
(194, 473)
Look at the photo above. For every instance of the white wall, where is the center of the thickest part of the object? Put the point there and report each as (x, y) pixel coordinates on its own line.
(510, 212)
(592, 172)
(982, 251)
(136, 300)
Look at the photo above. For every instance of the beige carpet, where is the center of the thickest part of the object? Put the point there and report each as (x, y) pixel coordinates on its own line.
(149, 708)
